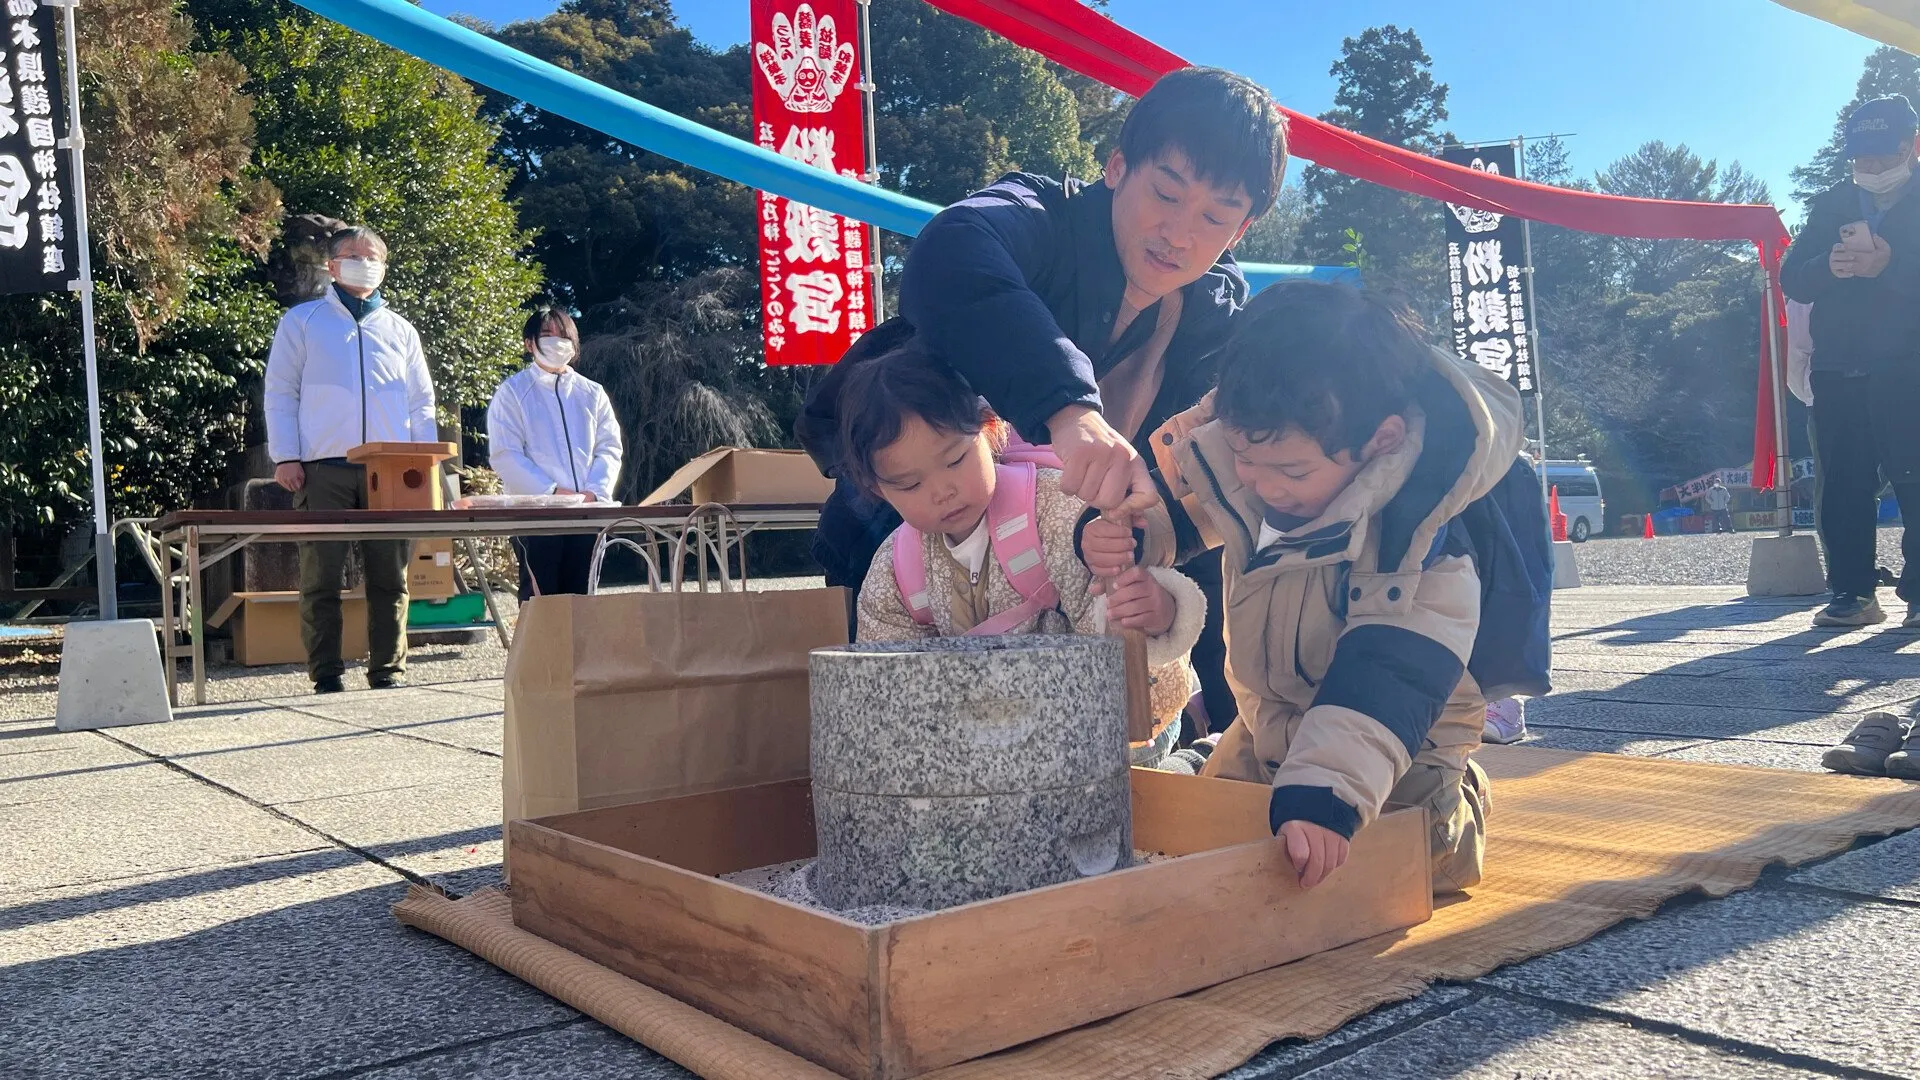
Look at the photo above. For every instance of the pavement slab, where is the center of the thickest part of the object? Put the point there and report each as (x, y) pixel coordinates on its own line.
(1887, 868)
(1600, 742)
(1493, 1038)
(105, 825)
(433, 829)
(570, 1051)
(1292, 1056)
(290, 977)
(1799, 757)
(1795, 970)
(1702, 721)
(465, 721)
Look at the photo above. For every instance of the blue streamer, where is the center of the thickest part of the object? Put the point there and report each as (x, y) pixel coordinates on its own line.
(477, 57)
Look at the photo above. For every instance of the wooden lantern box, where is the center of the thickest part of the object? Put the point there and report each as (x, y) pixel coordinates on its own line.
(403, 475)
(633, 888)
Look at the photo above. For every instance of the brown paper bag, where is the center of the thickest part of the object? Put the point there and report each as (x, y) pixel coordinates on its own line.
(625, 697)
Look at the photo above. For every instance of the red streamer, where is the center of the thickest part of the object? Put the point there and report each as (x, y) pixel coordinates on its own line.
(1080, 39)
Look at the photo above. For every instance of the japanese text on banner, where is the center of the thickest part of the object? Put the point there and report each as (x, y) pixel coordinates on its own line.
(1486, 281)
(38, 251)
(815, 288)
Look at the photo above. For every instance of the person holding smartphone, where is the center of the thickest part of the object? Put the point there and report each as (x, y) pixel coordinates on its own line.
(1857, 261)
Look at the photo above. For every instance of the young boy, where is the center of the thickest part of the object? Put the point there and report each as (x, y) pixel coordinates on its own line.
(1331, 464)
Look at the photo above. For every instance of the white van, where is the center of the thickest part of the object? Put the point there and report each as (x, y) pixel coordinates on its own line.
(1580, 498)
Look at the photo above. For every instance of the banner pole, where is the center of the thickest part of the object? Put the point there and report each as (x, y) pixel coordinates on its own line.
(868, 89)
(1533, 330)
(76, 144)
(1777, 376)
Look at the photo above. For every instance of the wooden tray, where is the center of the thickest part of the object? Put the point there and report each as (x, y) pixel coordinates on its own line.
(631, 887)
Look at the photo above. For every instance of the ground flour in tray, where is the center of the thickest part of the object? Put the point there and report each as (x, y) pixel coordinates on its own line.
(789, 881)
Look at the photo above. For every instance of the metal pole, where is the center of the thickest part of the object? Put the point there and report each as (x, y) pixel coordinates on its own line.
(1533, 327)
(1777, 375)
(76, 143)
(867, 90)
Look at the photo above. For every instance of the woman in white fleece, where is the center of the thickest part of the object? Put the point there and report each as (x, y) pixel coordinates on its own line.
(552, 432)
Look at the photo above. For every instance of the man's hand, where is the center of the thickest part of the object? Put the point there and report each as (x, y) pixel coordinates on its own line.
(1314, 850)
(1108, 547)
(1869, 264)
(1099, 466)
(290, 475)
(1137, 602)
(1840, 261)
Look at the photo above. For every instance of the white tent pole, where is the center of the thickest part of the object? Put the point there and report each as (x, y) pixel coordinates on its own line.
(76, 143)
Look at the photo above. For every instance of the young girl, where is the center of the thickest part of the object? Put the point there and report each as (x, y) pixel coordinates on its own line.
(552, 431)
(915, 434)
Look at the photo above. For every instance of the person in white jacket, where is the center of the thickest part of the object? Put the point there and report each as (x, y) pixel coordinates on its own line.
(551, 431)
(345, 370)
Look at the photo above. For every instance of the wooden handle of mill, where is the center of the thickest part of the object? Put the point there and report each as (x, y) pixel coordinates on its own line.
(1139, 687)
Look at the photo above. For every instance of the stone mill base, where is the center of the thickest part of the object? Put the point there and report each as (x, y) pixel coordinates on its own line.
(950, 850)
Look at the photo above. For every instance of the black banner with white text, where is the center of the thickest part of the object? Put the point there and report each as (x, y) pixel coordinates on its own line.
(38, 251)
(1486, 279)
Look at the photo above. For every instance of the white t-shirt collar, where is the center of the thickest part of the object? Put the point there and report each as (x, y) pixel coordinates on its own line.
(971, 552)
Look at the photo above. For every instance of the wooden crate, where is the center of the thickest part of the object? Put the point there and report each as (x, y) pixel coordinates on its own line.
(632, 887)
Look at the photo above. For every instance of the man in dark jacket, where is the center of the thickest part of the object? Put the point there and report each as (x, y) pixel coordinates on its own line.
(1086, 314)
(1857, 261)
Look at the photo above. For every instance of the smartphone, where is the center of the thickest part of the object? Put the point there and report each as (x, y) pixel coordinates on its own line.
(1856, 236)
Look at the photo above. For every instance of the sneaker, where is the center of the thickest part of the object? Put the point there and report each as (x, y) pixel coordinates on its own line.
(1868, 745)
(386, 682)
(1904, 763)
(1850, 611)
(1912, 621)
(328, 684)
(1506, 721)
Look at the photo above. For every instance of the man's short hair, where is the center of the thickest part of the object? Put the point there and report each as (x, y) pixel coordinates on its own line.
(1328, 361)
(1225, 124)
(349, 235)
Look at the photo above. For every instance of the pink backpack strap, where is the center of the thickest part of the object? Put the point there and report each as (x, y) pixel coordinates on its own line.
(1020, 450)
(1014, 535)
(910, 573)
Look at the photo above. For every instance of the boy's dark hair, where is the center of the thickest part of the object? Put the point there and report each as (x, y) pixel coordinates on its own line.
(1328, 361)
(877, 396)
(1224, 123)
(538, 321)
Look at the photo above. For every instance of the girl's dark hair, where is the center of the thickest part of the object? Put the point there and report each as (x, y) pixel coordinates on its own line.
(1326, 360)
(538, 321)
(878, 395)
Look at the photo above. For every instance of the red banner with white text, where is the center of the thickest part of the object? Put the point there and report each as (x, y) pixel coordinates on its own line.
(815, 289)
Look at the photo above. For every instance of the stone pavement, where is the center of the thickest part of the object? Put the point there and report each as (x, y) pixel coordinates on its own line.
(210, 897)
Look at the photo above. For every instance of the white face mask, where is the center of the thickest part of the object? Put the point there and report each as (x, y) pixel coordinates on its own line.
(360, 273)
(1884, 182)
(553, 353)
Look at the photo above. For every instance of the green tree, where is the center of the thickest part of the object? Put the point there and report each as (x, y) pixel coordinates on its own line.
(1658, 171)
(958, 106)
(355, 130)
(1887, 71)
(1276, 236)
(1387, 92)
(609, 214)
(177, 229)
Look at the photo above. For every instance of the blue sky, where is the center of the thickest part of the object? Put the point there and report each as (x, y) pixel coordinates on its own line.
(1733, 79)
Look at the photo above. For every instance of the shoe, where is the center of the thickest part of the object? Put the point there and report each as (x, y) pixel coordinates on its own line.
(1868, 745)
(1912, 621)
(1904, 763)
(328, 684)
(386, 682)
(1850, 611)
(1506, 721)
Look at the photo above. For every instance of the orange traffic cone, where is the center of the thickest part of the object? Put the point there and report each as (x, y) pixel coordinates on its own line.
(1558, 519)
(1649, 530)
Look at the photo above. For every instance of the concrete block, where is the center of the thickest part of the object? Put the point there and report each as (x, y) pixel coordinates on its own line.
(1566, 572)
(959, 769)
(1785, 566)
(110, 676)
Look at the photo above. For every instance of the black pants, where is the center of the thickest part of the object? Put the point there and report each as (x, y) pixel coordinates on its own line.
(558, 564)
(1865, 426)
